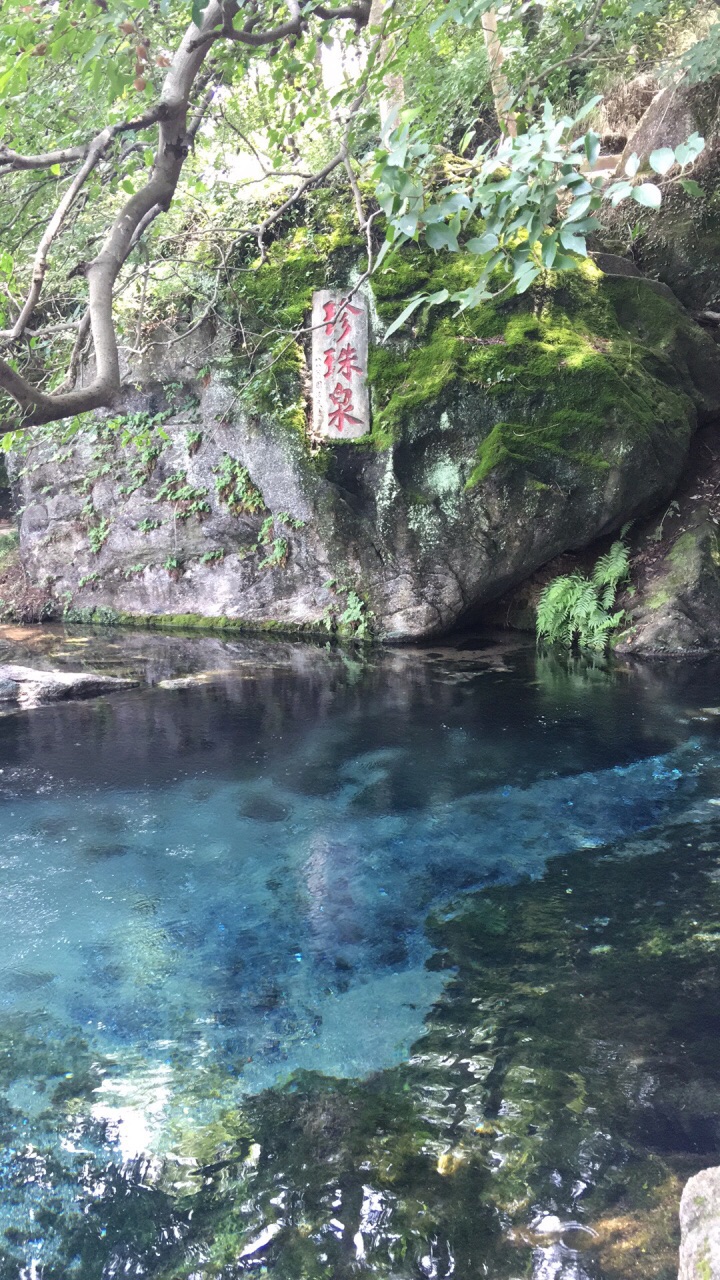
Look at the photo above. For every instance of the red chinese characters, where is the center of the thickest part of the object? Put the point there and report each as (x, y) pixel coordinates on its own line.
(339, 352)
(340, 416)
(340, 361)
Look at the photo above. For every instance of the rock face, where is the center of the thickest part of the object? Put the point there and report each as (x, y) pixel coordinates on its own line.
(532, 428)
(700, 1227)
(31, 687)
(674, 607)
(682, 245)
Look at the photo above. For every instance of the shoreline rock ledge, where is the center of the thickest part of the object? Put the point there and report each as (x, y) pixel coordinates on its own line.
(31, 687)
(700, 1227)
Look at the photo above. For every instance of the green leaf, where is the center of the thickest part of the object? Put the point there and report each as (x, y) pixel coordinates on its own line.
(525, 279)
(692, 188)
(466, 140)
(648, 195)
(689, 151)
(549, 252)
(589, 106)
(592, 147)
(95, 49)
(55, 170)
(573, 243)
(632, 164)
(412, 305)
(578, 208)
(617, 192)
(482, 244)
(441, 236)
(564, 263)
(662, 160)
(198, 9)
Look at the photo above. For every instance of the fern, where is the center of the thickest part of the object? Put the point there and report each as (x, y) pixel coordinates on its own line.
(577, 610)
(612, 568)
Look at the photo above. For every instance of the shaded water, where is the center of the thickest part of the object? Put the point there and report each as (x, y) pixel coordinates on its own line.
(327, 966)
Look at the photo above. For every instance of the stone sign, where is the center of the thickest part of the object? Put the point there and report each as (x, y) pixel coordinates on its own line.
(341, 408)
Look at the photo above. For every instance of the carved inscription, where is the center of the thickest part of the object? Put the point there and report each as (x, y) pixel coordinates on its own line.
(341, 409)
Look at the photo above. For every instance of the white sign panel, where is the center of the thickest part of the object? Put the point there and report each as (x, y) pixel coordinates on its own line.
(341, 408)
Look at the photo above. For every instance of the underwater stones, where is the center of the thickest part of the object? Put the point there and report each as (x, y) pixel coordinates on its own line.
(30, 687)
(700, 1227)
(264, 809)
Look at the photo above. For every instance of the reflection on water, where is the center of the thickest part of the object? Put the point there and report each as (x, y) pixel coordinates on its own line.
(328, 966)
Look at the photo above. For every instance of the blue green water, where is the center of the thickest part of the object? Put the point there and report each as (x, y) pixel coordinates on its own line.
(286, 985)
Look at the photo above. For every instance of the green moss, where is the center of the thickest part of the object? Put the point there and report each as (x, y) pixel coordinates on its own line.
(199, 622)
(564, 366)
(523, 443)
(684, 552)
(272, 298)
(659, 599)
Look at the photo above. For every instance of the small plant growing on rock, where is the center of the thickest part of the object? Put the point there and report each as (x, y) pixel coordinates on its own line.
(236, 489)
(194, 438)
(187, 500)
(279, 549)
(98, 535)
(355, 620)
(577, 611)
(173, 566)
(277, 554)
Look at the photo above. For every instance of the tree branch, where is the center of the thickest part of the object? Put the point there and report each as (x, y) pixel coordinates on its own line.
(11, 161)
(170, 113)
(54, 226)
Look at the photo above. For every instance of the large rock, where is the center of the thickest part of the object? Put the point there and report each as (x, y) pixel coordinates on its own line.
(700, 1227)
(498, 442)
(677, 613)
(32, 687)
(673, 607)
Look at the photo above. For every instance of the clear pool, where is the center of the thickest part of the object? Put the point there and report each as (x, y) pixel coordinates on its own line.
(324, 965)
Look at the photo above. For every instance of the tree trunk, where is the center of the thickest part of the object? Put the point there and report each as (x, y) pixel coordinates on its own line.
(501, 89)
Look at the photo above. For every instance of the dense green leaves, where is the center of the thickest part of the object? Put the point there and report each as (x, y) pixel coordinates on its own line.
(441, 174)
(576, 610)
(535, 195)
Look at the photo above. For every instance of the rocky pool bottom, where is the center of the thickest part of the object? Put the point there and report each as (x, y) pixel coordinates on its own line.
(319, 963)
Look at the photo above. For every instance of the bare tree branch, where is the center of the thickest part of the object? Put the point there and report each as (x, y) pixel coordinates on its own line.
(52, 230)
(77, 354)
(170, 113)
(11, 162)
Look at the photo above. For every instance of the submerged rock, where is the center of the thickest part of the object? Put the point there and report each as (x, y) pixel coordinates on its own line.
(700, 1227)
(30, 687)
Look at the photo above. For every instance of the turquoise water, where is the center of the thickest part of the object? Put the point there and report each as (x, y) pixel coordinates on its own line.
(254, 906)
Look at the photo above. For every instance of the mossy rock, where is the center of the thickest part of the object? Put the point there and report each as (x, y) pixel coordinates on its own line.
(500, 438)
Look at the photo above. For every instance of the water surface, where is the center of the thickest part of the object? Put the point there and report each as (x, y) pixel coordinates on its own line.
(328, 964)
